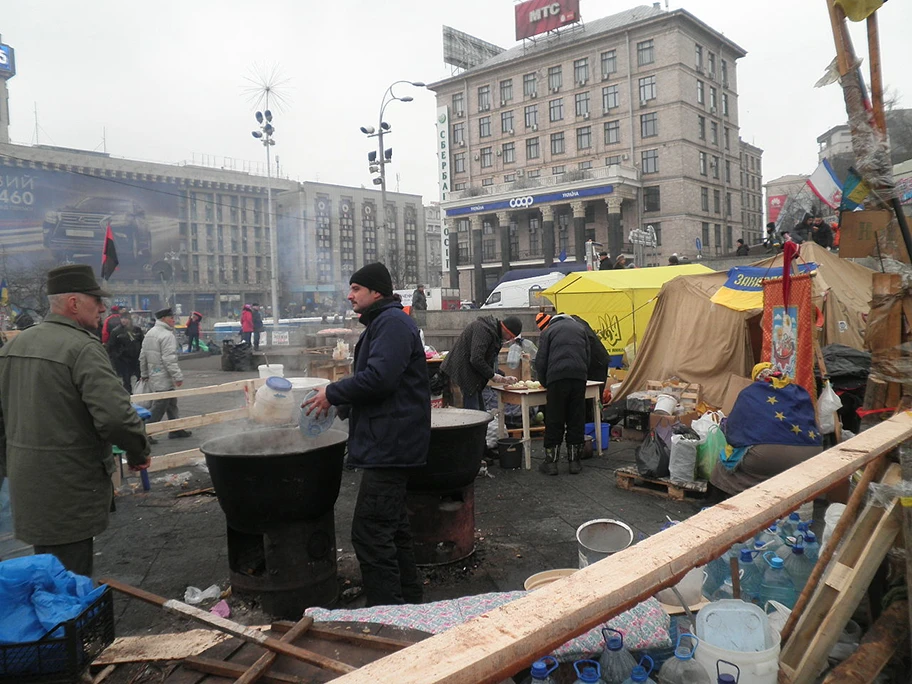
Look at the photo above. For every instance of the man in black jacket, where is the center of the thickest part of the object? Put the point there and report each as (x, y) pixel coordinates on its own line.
(124, 345)
(388, 402)
(562, 364)
(473, 359)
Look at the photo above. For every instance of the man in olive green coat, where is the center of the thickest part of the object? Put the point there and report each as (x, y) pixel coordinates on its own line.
(61, 409)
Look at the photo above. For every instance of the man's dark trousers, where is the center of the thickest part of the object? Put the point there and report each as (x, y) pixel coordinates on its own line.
(566, 407)
(76, 557)
(383, 540)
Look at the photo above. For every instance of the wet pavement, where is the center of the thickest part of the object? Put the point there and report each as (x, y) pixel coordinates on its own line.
(525, 522)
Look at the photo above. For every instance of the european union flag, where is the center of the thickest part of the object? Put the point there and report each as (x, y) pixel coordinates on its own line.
(763, 414)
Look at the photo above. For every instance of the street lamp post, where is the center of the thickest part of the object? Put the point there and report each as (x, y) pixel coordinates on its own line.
(382, 157)
(264, 119)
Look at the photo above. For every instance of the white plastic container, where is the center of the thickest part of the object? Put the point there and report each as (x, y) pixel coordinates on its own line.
(301, 387)
(272, 370)
(731, 624)
(273, 403)
(665, 404)
(831, 518)
(690, 587)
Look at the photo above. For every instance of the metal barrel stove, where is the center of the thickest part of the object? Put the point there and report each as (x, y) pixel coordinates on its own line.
(278, 490)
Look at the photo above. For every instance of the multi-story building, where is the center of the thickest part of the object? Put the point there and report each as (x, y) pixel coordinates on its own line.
(434, 245)
(751, 194)
(778, 192)
(623, 122)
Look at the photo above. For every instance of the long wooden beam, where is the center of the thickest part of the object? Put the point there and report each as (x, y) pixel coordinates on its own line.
(196, 421)
(232, 386)
(503, 641)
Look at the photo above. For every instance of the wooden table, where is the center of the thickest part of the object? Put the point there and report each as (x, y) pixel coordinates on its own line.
(539, 397)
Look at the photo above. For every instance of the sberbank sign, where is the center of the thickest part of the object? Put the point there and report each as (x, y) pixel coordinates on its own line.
(530, 201)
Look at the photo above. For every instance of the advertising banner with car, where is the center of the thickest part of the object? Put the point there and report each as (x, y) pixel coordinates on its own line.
(62, 217)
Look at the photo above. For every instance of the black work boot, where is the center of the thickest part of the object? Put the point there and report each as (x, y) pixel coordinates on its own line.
(552, 457)
(574, 453)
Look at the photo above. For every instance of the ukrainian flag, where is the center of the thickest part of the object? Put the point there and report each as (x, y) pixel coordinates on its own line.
(743, 290)
(854, 191)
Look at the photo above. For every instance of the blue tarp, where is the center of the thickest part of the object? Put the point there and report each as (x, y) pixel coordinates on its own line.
(37, 593)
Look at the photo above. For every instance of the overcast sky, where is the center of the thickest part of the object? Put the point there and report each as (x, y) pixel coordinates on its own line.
(166, 79)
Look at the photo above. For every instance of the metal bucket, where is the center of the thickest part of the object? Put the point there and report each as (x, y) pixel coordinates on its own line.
(601, 538)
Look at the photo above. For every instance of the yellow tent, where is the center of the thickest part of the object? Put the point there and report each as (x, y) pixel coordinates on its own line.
(618, 303)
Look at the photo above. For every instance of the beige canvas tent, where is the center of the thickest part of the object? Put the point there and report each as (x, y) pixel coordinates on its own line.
(701, 342)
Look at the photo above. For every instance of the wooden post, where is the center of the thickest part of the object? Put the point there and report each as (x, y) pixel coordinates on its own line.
(876, 77)
(887, 635)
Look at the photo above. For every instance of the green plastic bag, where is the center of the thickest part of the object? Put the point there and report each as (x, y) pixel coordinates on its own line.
(708, 452)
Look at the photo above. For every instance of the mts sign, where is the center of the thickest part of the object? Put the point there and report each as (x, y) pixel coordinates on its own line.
(539, 16)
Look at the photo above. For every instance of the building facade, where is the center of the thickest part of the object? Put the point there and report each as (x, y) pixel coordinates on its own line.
(752, 194)
(432, 217)
(620, 123)
(198, 237)
(778, 192)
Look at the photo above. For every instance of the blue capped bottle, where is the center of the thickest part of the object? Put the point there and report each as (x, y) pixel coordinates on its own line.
(541, 671)
(811, 546)
(682, 668)
(798, 566)
(587, 672)
(616, 661)
(776, 584)
(789, 526)
(727, 677)
(751, 576)
(640, 674)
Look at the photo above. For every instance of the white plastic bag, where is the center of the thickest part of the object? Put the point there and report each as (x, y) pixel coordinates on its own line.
(142, 387)
(706, 422)
(514, 355)
(683, 460)
(827, 405)
(491, 434)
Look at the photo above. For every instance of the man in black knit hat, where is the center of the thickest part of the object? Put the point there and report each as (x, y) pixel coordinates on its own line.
(388, 402)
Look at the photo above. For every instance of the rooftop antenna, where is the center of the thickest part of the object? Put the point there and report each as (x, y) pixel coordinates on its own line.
(36, 123)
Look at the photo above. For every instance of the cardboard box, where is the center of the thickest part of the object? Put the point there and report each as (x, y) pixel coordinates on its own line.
(735, 384)
(858, 231)
(659, 420)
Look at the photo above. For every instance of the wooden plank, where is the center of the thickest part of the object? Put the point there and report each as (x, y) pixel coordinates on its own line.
(197, 421)
(508, 638)
(233, 386)
(887, 636)
(139, 649)
(179, 459)
(629, 479)
(830, 608)
(337, 633)
(256, 671)
(225, 668)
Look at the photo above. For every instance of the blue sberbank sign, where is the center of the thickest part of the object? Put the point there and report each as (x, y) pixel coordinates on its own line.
(530, 201)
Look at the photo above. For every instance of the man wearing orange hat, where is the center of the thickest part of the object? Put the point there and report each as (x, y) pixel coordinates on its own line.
(562, 364)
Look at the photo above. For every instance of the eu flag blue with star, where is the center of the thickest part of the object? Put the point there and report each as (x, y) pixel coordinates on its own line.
(763, 414)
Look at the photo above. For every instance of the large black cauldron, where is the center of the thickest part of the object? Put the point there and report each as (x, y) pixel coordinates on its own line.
(269, 477)
(457, 446)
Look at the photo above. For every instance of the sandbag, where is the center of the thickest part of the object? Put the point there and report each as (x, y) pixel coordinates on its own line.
(683, 458)
(652, 456)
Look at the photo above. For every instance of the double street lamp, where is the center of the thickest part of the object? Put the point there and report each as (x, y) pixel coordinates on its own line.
(378, 160)
(264, 135)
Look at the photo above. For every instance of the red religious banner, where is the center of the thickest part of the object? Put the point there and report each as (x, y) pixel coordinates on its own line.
(788, 329)
(774, 204)
(538, 16)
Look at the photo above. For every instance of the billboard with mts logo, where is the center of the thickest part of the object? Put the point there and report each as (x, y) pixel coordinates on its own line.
(538, 16)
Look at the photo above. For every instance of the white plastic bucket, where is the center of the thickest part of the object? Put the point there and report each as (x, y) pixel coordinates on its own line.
(601, 538)
(301, 386)
(729, 622)
(272, 370)
(758, 667)
(665, 403)
(690, 587)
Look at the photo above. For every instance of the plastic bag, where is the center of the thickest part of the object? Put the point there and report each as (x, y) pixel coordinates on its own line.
(142, 387)
(707, 421)
(683, 458)
(652, 457)
(514, 356)
(708, 451)
(827, 405)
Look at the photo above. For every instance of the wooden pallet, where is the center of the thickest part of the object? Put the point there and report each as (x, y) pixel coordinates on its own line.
(687, 394)
(628, 478)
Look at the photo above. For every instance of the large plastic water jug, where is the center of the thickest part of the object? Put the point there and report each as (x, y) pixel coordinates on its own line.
(587, 672)
(776, 584)
(751, 576)
(727, 677)
(798, 566)
(769, 535)
(541, 671)
(640, 673)
(683, 669)
(616, 662)
(811, 546)
(789, 526)
(273, 403)
(314, 425)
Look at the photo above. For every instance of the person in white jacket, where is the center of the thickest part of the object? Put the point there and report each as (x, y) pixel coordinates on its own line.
(158, 367)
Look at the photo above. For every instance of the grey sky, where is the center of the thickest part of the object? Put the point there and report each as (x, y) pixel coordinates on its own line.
(166, 78)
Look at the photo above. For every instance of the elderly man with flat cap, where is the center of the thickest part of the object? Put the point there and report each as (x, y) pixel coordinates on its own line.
(61, 409)
(158, 367)
(389, 434)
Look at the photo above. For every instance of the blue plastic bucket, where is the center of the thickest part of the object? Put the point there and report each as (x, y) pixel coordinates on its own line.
(606, 433)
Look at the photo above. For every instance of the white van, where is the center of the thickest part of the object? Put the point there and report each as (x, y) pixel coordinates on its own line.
(525, 292)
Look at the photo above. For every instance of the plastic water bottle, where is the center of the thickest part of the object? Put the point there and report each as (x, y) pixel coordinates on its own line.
(776, 585)
(719, 569)
(640, 674)
(312, 426)
(541, 671)
(587, 672)
(799, 566)
(616, 661)
(811, 546)
(725, 677)
(751, 576)
(789, 526)
(770, 534)
(683, 669)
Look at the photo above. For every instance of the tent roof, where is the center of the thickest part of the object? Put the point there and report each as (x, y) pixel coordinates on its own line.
(622, 279)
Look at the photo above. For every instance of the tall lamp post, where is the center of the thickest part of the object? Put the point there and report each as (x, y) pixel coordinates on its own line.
(264, 134)
(378, 160)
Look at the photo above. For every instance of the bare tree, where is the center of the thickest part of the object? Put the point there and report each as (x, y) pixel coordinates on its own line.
(27, 281)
